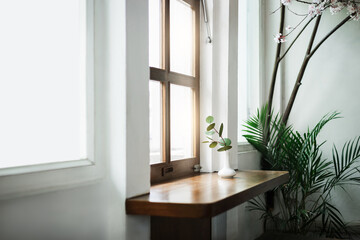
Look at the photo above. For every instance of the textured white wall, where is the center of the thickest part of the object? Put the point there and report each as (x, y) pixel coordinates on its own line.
(331, 82)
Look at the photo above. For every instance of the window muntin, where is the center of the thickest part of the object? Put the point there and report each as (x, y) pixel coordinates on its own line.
(179, 151)
(44, 84)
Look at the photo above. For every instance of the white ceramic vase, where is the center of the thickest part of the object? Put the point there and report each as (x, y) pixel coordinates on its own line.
(226, 171)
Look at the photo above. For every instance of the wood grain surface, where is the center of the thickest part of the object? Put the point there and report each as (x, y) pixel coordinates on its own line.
(205, 195)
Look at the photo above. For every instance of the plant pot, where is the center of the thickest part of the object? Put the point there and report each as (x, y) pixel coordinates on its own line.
(226, 171)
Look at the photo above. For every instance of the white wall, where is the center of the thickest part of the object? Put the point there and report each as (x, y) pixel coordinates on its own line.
(218, 86)
(97, 211)
(331, 82)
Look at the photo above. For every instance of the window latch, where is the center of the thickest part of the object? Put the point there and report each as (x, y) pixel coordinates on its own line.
(166, 170)
(197, 168)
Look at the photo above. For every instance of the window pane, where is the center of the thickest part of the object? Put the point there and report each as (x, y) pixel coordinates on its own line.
(155, 34)
(181, 122)
(182, 38)
(155, 122)
(42, 82)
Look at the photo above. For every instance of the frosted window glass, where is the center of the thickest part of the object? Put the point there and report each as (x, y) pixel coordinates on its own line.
(155, 122)
(155, 34)
(42, 81)
(181, 122)
(182, 38)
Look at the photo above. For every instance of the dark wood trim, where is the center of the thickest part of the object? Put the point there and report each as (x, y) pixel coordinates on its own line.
(164, 29)
(166, 122)
(167, 34)
(196, 4)
(173, 77)
(183, 80)
(182, 167)
(205, 195)
(163, 228)
(158, 74)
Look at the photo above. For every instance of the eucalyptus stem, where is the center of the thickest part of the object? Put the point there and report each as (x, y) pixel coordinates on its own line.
(219, 136)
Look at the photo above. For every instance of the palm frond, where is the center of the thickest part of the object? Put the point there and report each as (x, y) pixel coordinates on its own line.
(333, 224)
(344, 164)
(310, 173)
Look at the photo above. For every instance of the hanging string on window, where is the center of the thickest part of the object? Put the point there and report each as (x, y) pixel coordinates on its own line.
(208, 40)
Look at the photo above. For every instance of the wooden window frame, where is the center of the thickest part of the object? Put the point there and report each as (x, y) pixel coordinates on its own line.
(168, 169)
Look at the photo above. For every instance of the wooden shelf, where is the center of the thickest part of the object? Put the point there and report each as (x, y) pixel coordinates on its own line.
(205, 195)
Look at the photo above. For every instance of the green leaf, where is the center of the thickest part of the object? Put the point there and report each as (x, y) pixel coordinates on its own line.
(227, 142)
(221, 149)
(205, 142)
(213, 144)
(210, 127)
(221, 129)
(224, 148)
(210, 132)
(209, 119)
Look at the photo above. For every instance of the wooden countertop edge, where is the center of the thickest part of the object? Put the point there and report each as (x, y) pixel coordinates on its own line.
(241, 197)
(203, 210)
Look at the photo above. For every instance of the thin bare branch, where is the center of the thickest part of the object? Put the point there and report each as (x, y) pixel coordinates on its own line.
(276, 10)
(297, 14)
(301, 72)
(275, 70)
(296, 26)
(328, 35)
(292, 43)
(309, 53)
(300, 1)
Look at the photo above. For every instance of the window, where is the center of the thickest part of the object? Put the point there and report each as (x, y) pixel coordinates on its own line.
(46, 84)
(174, 87)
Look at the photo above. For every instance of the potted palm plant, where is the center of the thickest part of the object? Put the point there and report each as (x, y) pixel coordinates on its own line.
(305, 202)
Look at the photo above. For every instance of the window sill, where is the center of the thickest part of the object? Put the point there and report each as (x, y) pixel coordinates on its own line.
(30, 180)
(244, 147)
(44, 167)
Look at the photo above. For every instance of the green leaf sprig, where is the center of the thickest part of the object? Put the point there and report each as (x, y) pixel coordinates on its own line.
(225, 143)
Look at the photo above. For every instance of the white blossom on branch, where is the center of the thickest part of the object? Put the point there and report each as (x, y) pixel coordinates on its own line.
(285, 2)
(279, 38)
(336, 6)
(316, 9)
